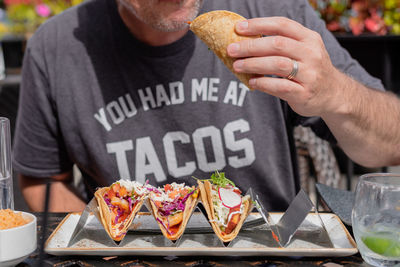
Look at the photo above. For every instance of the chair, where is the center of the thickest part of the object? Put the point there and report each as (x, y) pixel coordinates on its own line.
(315, 156)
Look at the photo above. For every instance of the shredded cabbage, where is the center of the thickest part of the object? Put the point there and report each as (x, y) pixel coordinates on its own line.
(130, 203)
(170, 207)
(221, 212)
(107, 200)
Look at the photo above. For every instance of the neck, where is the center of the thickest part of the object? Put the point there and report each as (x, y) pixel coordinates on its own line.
(146, 33)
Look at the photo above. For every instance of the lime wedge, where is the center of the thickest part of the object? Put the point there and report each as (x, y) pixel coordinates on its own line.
(383, 245)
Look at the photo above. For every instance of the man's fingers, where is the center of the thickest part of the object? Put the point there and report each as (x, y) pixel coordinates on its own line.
(274, 65)
(266, 46)
(273, 26)
(282, 88)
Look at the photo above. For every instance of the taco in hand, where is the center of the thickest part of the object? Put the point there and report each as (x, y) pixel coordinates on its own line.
(118, 205)
(172, 207)
(226, 208)
(217, 30)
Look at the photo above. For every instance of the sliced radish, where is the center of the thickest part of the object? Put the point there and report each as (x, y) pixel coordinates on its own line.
(229, 198)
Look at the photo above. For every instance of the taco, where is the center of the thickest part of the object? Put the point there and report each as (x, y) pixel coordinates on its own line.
(172, 207)
(217, 30)
(118, 205)
(226, 208)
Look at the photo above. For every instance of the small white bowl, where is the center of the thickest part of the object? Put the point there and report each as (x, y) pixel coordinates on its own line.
(17, 243)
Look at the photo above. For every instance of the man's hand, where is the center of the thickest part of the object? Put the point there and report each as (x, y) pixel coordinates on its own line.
(364, 121)
(310, 92)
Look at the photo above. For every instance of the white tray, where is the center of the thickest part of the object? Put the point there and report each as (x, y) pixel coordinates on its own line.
(257, 241)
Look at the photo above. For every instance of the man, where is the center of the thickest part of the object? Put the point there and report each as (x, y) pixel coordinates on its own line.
(123, 90)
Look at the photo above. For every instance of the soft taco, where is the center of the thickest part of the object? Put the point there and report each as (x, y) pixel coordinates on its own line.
(172, 207)
(118, 205)
(226, 208)
(217, 30)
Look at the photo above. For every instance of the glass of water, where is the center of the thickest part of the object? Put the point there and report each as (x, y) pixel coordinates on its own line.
(6, 178)
(376, 218)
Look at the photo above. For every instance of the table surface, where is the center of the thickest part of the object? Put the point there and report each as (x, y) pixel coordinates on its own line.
(49, 260)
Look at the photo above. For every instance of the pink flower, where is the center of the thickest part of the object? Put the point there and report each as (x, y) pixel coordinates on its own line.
(356, 26)
(333, 26)
(43, 10)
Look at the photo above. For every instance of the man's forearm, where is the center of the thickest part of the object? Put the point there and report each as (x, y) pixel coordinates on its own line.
(62, 197)
(366, 123)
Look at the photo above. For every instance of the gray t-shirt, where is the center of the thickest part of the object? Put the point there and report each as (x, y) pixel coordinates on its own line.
(94, 96)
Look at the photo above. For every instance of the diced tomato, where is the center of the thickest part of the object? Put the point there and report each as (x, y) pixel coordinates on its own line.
(158, 203)
(168, 187)
(183, 193)
(237, 191)
(173, 194)
(123, 192)
(116, 187)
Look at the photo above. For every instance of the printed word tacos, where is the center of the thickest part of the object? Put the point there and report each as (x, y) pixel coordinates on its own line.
(172, 207)
(217, 30)
(226, 208)
(118, 205)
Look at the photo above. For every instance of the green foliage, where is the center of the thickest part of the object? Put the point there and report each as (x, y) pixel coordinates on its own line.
(26, 16)
(360, 16)
(391, 15)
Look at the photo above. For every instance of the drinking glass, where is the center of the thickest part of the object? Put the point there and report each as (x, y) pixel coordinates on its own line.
(6, 180)
(376, 218)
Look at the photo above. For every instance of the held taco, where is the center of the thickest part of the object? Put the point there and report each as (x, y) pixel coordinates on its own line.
(172, 207)
(118, 205)
(217, 30)
(226, 208)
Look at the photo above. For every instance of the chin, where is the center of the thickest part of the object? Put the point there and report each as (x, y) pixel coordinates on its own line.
(164, 15)
(175, 17)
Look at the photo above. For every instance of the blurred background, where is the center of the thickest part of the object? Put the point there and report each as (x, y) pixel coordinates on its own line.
(368, 29)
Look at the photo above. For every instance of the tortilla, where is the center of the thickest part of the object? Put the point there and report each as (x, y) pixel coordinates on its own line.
(190, 204)
(217, 30)
(205, 193)
(106, 217)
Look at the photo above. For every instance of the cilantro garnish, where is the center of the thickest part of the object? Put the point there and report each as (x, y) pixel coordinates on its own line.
(218, 179)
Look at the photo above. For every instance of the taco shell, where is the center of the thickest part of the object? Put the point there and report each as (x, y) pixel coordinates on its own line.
(105, 215)
(217, 30)
(190, 204)
(205, 193)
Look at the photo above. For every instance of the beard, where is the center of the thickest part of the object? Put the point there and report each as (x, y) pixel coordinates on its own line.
(164, 16)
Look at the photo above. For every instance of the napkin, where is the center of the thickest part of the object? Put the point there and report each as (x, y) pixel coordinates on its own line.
(338, 200)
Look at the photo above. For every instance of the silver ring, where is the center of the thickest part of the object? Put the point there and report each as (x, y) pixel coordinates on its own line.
(294, 71)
